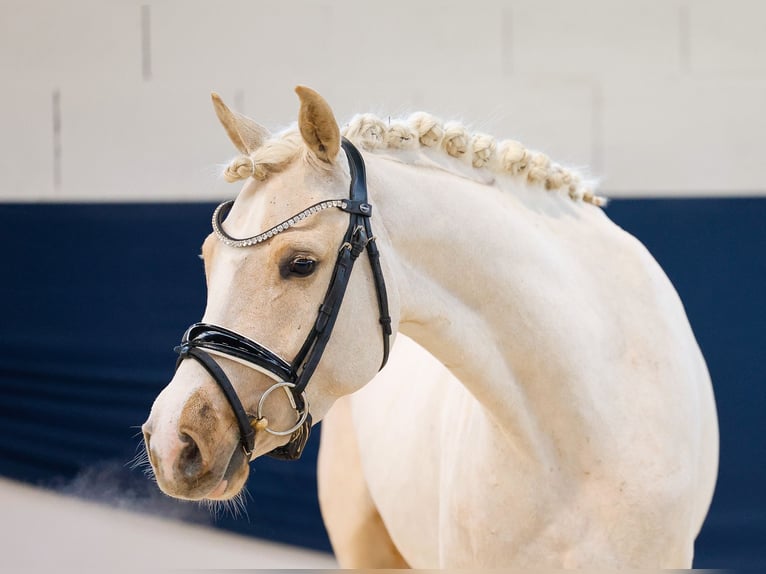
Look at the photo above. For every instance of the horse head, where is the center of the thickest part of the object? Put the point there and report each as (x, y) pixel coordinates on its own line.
(278, 265)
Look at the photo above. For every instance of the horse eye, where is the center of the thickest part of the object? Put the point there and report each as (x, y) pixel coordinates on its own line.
(302, 266)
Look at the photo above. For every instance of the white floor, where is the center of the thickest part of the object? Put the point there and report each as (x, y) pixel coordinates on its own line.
(43, 529)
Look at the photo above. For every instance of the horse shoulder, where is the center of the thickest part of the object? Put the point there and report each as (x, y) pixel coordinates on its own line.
(358, 535)
(438, 469)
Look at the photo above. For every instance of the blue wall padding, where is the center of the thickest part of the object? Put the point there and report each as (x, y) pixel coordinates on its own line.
(93, 298)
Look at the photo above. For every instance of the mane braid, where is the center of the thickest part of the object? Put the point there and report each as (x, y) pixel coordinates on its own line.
(422, 130)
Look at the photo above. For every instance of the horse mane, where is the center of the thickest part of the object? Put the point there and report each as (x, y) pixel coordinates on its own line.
(422, 130)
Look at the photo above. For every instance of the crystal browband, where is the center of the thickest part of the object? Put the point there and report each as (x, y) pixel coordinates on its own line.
(222, 210)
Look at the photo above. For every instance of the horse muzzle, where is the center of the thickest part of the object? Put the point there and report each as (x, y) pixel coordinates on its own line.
(191, 464)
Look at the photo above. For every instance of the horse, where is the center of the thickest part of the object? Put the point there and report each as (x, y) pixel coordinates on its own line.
(506, 377)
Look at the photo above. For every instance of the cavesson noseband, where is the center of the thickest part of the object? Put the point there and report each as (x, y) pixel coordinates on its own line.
(202, 340)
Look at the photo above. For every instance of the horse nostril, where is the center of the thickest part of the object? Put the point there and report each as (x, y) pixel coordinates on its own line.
(190, 460)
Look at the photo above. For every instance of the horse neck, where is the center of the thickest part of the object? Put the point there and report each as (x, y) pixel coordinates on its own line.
(484, 279)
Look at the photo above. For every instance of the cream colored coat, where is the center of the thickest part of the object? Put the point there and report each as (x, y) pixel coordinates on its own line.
(577, 427)
(584, 431)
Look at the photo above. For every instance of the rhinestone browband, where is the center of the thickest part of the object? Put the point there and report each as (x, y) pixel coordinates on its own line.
(223, 209)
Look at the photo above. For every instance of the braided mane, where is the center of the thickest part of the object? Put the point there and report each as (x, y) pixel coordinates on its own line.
(425, 131)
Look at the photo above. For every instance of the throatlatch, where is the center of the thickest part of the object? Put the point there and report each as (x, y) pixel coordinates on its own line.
(202, 340)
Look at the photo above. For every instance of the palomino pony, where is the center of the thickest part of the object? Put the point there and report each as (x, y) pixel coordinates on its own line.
(562, 415)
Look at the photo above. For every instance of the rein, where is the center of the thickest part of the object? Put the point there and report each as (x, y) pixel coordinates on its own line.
(203, 340)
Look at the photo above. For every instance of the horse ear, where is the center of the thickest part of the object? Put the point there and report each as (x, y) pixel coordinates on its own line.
(246, 134)
(317, 125)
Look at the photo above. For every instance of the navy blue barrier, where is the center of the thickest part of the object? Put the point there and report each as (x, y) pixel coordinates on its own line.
(94, 297)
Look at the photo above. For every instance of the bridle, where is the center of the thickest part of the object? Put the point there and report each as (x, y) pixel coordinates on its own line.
(203, 340)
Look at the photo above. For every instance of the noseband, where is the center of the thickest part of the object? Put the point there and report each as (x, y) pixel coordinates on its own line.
(202, 340)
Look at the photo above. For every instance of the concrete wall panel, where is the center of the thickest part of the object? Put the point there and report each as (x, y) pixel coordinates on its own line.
(727, 37)
(617, 86)
(691, 137)
(595, 38)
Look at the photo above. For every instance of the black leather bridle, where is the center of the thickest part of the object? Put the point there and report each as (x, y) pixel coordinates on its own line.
(202, 340)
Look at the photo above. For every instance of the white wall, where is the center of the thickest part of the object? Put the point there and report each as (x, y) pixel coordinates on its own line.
(656, 96)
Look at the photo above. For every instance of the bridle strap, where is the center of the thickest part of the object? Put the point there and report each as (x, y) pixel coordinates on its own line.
(247, 433)
(217, 340)
(385, 316)
(358, 237)
(359, 179)
(311, 353)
